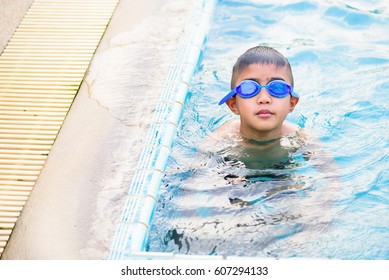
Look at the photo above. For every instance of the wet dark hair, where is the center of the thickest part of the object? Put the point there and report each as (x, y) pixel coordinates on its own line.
(259, 55)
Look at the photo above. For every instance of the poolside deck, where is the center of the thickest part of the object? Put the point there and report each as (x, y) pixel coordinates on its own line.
(58, 143)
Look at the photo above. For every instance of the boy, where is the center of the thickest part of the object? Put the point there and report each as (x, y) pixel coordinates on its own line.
(262, 95)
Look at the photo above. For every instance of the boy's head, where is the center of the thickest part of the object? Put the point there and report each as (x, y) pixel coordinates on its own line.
(260, 55)
(262, 92)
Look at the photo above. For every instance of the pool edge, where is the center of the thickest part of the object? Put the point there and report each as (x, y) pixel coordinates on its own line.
(132, 231)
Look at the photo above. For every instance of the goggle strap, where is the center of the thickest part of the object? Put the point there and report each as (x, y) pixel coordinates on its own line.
(228, 96)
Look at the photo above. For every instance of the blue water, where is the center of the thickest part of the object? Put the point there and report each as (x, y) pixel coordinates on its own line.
(332, 204)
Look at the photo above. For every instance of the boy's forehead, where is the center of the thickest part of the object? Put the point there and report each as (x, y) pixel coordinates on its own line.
(264, 66)
(265, 71)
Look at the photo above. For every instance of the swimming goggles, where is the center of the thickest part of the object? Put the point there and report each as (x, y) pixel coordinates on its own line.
(250, 88)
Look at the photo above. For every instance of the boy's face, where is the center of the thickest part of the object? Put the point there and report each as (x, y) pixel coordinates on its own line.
(262, 116)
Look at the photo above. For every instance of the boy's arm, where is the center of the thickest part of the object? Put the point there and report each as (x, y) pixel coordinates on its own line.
(324, 162)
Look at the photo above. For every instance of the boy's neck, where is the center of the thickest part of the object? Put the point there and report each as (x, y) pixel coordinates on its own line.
(259, 144)
(261, 136)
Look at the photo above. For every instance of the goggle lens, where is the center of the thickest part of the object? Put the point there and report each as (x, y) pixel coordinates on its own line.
(278, 88)
(247, 89)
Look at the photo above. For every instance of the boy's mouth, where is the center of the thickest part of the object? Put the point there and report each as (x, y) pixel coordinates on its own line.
(264, 113)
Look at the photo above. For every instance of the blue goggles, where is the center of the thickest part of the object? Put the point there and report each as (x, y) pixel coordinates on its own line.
(250, 88)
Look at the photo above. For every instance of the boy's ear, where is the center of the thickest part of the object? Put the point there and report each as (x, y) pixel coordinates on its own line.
(231, 103)
(293, 103)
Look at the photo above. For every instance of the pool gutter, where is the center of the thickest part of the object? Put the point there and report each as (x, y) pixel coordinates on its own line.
(41, 70)
(133, 230)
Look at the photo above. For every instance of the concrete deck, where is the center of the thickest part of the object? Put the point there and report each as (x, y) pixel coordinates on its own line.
(78, 198)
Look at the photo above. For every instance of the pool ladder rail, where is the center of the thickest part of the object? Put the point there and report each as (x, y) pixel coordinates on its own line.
(41, 70)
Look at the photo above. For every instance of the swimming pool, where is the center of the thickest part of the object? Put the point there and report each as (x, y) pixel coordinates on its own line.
(334, 205)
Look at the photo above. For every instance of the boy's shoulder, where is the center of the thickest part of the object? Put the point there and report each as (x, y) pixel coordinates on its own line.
(229, 134)
(228, 130)
(231, 130)
(289, 128)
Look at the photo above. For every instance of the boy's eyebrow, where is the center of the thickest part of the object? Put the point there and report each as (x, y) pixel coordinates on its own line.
(269, 80)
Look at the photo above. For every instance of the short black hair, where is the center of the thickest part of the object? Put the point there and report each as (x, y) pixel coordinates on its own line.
(260, 55)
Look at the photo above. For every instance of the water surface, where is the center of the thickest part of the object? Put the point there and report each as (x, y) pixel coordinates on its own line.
(328, 199)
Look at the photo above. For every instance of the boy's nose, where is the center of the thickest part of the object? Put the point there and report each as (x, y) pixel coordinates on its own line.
(263, 96)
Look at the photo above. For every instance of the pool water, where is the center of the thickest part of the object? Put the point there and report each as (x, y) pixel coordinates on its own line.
(325, 199)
